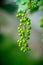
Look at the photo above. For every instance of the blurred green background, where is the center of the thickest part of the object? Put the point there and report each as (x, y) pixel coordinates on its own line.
(10, 53)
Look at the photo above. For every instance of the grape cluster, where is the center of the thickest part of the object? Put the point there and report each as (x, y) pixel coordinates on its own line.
(33, 5)
(23, 31)
(24, 27)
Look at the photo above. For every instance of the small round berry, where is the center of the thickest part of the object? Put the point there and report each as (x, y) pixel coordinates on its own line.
(29, 27)
(24, 40)
(28, 33)
(17, 15)
(28, 19)
(22, 37)
(22, 48)
(20, 24)
(28, 37)
(21, 20)
(18, 28)
(22, 15)
(19, 10)
(24, 11)
(25, 45)
(18, 41)
(28, 23)
(22, 32)
(24, 18)
(23, 3)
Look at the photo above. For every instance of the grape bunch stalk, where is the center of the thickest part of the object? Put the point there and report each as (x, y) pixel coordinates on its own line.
(24, 29)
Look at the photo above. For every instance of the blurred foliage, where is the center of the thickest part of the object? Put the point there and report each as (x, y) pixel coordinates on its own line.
(11, 8)
(11, 55)
(8, 7)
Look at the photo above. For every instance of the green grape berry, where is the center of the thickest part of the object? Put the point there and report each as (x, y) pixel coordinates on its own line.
(22, 37)
(23, 3)
(17, 15)
(22, 14)
(24, 18)
(29, 27)
(18, 41)
(25, 50)
(19, 11)
(18, 28)
(28, 23)
(22, 48)
(20, 24)
(28, 37)
(25, 45)
(24, 40)
(21, 20)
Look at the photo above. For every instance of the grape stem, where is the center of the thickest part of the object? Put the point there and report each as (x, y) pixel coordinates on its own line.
(29, 3)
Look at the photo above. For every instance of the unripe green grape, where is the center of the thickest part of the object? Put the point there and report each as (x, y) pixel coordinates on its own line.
(23, 3)
(29, 27)
(21, 29)
(20, 24)
(24, 18)
(22, 48)
(21, 20)
(19, 45)
(24, 40)
(24, 23)
(25, 50)
(22, 14)
(24, 11)
(19, 11)
(17, 15)
(28, 23)
(28, 37)
(25, 45)
(28, 19)
(18, 28)
(18, 41)
(22, 32)
(28, 33)
(22, 37)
